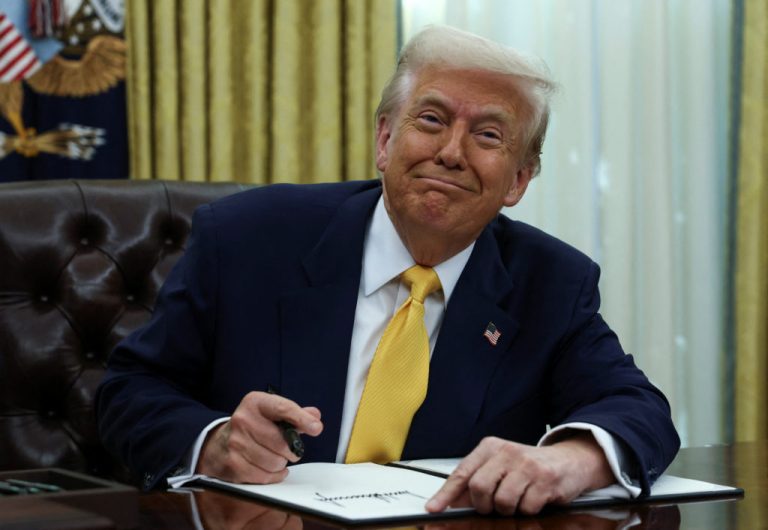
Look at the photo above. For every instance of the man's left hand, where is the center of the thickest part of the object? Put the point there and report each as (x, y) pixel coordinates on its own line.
(508, 477)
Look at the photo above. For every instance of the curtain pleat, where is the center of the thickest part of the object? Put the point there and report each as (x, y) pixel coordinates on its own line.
(193, 64)
(291, 90)
(164, 86)
(359, 136)
(327, 119)
(223, 127)
(751, 274)
(139, 95)
(256, 91)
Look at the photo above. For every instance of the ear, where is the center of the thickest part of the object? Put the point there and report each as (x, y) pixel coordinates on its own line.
(383, 134)
(520, 184)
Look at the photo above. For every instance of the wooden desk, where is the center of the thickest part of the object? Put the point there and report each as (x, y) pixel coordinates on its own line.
(744, 465)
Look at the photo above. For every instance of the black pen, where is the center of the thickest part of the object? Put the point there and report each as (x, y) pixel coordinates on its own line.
(290, 435)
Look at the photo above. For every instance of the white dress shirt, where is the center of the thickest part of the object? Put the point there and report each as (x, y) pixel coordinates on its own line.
(379, 296)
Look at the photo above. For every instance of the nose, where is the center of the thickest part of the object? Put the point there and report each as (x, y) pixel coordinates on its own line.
(451, 152)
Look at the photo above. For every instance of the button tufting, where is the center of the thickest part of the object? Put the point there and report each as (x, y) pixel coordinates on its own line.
(68, 278)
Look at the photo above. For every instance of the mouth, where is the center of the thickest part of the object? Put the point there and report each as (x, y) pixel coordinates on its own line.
(440, 182)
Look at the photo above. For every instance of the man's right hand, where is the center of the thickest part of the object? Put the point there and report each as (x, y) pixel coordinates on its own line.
(250, 447)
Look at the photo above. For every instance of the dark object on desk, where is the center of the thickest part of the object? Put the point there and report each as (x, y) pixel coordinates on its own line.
(33, 487)
(80, 266)
(100, 503)
(7, 488)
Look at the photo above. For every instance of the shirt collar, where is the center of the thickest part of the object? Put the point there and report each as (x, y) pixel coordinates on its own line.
(385, 256)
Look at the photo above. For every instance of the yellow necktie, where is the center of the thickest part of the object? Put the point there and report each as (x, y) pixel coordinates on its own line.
(397, 380)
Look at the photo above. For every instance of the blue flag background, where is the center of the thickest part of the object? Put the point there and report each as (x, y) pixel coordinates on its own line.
(67, 119)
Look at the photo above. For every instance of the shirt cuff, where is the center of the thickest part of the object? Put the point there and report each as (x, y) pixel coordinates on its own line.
(617, 457)
(186, 470)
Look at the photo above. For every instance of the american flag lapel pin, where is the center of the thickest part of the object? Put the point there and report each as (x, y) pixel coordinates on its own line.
(492, 334)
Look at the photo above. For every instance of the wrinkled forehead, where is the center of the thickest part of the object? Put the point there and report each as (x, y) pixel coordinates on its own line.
(486, 110)
(490, 94)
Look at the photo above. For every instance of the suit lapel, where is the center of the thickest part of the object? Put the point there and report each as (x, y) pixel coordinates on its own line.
(316, 321)
(464, 360)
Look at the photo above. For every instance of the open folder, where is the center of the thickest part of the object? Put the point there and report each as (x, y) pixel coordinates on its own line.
(374, 493)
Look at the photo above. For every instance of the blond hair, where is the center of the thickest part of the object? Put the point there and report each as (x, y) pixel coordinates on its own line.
(451, 48)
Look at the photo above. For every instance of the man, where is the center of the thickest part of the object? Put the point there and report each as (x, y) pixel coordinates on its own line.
(292, 287)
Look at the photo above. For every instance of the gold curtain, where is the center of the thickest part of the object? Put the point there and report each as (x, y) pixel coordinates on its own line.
(751, 274)
(256, 91)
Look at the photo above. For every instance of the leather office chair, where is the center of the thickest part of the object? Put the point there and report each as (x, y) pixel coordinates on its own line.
(81, 263)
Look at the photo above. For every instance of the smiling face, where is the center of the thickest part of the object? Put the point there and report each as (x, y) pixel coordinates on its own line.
(451, 156)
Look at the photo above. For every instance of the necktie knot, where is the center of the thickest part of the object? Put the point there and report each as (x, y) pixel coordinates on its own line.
(423, 281)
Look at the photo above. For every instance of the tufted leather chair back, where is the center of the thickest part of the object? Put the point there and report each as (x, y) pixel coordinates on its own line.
(81, 263)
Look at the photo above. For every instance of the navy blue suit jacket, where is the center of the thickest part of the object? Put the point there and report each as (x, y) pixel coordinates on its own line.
(266, 295)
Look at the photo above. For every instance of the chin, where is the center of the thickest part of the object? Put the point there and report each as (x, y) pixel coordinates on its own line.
(435, 219)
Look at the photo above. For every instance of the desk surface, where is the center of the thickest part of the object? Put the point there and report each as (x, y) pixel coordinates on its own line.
(744, 465)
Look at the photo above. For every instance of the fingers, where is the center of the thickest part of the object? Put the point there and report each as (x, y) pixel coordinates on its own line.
(259, 413)
(250, 447)
(230, 455)
(458, 482)
(277, 408)
(483, 487)
(314, 411)
(509, 478)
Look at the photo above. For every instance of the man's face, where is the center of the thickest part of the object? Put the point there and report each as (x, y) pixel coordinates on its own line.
(451, 155)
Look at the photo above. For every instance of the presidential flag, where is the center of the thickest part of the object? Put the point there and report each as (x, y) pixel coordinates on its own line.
(65, 118)
(17, 58)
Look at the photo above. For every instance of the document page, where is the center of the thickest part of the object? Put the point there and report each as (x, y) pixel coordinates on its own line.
(371, 493)
(350, 492)
(666, 487)
(441, 466)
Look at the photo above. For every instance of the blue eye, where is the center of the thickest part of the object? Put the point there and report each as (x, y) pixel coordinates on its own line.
(491, 137)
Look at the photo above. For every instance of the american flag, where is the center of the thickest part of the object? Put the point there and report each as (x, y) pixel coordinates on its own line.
(491, 333)
(17, 59)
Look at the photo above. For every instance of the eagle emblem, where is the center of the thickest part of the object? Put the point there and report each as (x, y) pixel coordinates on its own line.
(92, 60)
